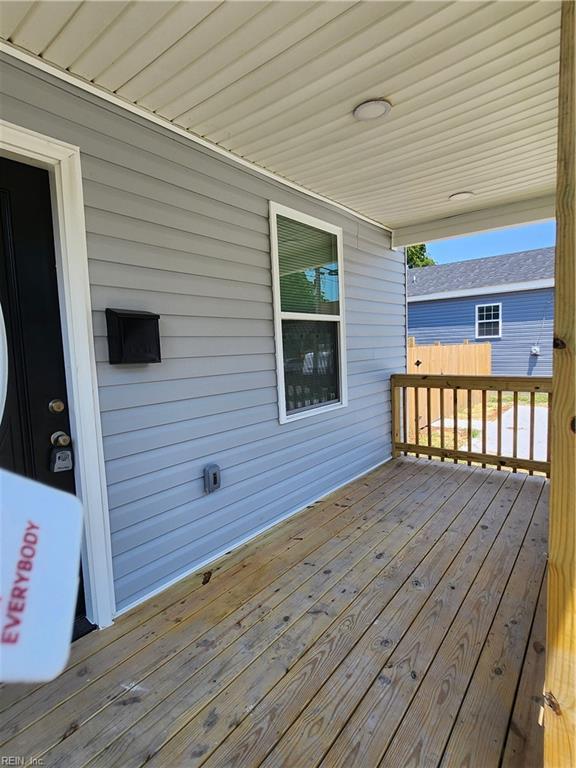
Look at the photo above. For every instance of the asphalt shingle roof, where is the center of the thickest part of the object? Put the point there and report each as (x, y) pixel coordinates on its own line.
(478, 273)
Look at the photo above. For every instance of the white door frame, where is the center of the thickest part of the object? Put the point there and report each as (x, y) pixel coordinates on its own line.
(63, 162)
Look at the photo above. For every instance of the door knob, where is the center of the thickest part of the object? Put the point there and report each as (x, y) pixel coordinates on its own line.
(56, 406)
(60, 439)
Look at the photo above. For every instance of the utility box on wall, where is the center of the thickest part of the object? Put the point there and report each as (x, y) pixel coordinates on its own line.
(212, 478)
(133, 336)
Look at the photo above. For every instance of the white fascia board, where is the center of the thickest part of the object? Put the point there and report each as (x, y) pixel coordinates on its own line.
(487, 290)
(483, 220)
(135, 109)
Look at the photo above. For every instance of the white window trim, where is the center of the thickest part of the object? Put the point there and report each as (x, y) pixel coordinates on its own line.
(491, 304)
(281, 210)
(63, 164)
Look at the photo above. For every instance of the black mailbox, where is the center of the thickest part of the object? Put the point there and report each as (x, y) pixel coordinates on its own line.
(133, 337)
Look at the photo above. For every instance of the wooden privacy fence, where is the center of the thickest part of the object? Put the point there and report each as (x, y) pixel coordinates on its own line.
(450, 359)
(446, 359)
(509, 427)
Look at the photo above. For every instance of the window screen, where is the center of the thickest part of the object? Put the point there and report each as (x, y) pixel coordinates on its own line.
(309, 309)
(488, 320)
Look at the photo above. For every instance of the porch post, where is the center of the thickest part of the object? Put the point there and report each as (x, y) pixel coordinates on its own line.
(559, 689)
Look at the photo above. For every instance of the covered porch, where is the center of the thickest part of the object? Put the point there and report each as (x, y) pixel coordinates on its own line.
(399, 621)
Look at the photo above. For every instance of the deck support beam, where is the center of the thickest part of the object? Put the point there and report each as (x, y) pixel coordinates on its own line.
(560, 696)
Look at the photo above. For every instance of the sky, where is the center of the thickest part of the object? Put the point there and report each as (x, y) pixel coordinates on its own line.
(523, 238)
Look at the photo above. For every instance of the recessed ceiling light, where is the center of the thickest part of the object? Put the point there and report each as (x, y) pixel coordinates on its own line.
(372, 109)
(461, 196)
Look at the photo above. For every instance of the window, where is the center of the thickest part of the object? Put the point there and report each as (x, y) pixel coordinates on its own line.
(488, 321)
(308, 313)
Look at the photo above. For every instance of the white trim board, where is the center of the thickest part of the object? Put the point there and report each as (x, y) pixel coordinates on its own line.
(486, 290)
(101, 93)
(246, 539)
(63, 163)
(481, 220)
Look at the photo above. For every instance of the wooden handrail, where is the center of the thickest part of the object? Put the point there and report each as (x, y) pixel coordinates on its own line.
(434, 416)
(488, 383)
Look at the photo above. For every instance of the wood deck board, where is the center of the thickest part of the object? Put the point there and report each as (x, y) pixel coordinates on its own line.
(239, 564)
(377, 635)
(525, 739)
(254, 569)
(399, 678)
(424, 730)
(482, 721)
(366, 734)
(192, 644)
(287, 626)
(300, 651)
(302, 676)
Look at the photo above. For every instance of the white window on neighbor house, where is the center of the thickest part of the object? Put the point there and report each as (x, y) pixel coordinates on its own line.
(308, 313)
(488, 321)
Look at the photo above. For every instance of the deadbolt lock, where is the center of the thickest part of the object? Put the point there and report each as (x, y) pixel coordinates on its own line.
(60, 439)
(56, 406)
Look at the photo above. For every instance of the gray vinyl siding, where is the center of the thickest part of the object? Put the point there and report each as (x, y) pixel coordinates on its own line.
(527, 320)
(178, 230)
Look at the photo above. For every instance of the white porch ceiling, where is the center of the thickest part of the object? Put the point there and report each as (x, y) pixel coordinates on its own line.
(472, 84)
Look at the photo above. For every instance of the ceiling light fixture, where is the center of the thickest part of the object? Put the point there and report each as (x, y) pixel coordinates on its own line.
(461, 196)
(373, 109)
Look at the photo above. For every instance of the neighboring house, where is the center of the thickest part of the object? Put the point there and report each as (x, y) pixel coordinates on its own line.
(507, 300)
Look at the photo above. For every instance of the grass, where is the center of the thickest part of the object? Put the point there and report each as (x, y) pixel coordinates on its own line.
(540, 399)
(448, 437)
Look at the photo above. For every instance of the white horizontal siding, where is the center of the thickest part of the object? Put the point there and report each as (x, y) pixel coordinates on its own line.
(189, 326)
(293, 493)
(177, 231)
(242, 479)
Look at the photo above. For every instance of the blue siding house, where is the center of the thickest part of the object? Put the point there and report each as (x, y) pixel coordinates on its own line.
(507, 300)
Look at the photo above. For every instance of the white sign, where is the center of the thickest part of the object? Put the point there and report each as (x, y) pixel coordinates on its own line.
(41, 534)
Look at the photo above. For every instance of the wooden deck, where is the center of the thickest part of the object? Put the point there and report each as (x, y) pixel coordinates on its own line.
(399, 622)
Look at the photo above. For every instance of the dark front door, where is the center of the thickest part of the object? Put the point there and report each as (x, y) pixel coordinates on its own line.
(35, 424)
